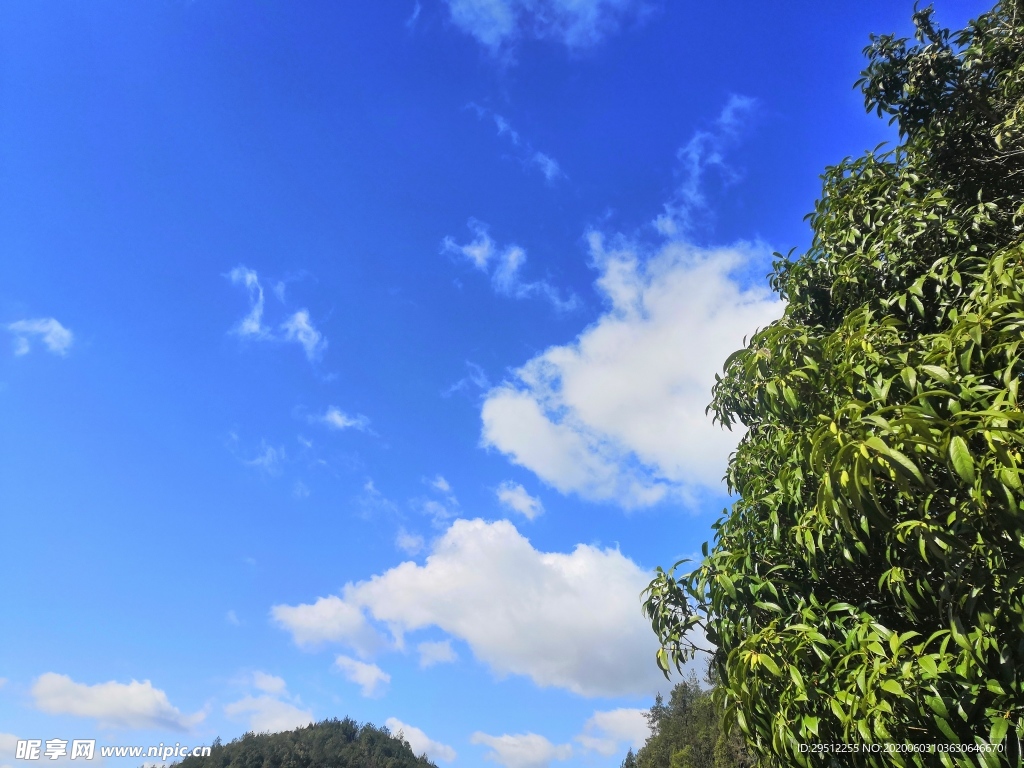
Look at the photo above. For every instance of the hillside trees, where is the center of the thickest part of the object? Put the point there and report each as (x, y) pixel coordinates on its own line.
(327, 744)
(866, 586)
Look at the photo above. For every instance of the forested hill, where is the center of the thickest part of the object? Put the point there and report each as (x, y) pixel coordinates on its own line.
(327, 744)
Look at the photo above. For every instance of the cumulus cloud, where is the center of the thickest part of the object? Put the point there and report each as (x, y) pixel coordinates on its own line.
(436, 653)
(577, 24)
(269, 714)
(298, 328)
(619, 413)
(481, 251)
(113, 705)
(564, 620)
(335, 418)
(329, 619)
(371, 679)
(521, 750)
(54, 336)
(516, 498)
(605, 731)
(419, 741)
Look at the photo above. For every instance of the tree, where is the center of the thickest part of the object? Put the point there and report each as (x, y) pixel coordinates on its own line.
(867, 587)
(687, 733)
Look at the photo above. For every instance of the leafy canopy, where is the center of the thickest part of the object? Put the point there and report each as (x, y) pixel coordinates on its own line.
(866, 587)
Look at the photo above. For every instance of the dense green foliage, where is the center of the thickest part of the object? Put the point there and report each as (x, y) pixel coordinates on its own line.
(327, 744)
(687, 733)
(868, 585)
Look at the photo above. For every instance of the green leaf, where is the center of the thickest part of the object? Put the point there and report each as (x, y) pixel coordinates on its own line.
(962, 460)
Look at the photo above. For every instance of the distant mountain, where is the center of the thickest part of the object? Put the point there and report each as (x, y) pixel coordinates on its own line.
(327, 744)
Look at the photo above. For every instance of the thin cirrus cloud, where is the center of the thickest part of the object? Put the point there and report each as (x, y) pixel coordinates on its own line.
(131, 705)
(297, 328)
(337, 419)
(515, 497)
(436, 653)
(47, 330)
(521, 750)
(371, 679)
(577, 24)
(419, 741)
(525, 153)
(505, 266)
(568, 621)
(703, 155)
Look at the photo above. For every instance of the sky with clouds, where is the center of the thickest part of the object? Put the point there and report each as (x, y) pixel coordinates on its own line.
(354, 357)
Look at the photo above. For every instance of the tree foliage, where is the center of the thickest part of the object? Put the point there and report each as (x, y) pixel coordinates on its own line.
(327, 744)
(688, 733)
(866, 587)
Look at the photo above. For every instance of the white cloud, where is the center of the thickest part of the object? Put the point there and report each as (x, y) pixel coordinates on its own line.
(54, 336)
(525, 154)
(114, 705)
(575, 23)
(505, 277)
(619, 413)
(419, 741)
(440, 484)
(704, 152)
(436, 653)
(570, 621)
(267, 683)
(299, 328)
(335, 418)
(232, 618)
(269, 714)
(603, 732)
(521, 750)
(515, 497)
(409, 543)
(371, 679)
(251, 324)
(329, 619)
(3, 682)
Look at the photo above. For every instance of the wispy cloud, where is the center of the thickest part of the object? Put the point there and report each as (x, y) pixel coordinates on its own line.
(54, 336)
(436, 653)
(335, 418)
(298, 328)
(505, 265)
(703, 154)
(524, 150)
(252, 323)
(577, 24)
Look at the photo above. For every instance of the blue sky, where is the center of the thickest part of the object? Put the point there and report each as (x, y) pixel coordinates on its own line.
(354, 356)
